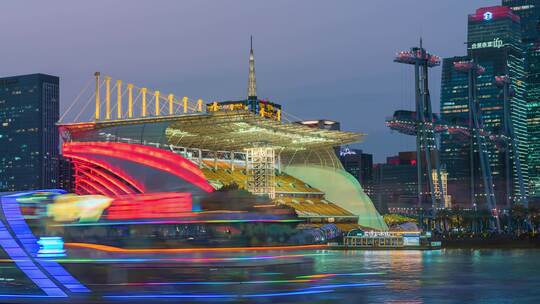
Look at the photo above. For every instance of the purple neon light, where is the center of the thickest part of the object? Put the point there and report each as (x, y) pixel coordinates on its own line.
(26, 265)
(16, 221)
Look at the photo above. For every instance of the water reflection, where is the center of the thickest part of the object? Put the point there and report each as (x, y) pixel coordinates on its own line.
(312, 276)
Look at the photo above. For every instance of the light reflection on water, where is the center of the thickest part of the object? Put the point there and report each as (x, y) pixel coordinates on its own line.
(322, 276)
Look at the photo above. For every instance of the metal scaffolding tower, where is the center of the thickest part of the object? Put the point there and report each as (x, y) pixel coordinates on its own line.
(261, 171)
(473, 70)
(426, 146)
(511, 146)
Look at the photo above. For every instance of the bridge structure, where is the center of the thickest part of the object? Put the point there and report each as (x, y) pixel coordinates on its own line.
(116, 100)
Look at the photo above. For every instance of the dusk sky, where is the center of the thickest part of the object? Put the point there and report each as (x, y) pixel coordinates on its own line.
(319, 59)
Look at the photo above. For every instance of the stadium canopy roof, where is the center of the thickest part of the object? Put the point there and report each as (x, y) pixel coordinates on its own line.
(231, 131)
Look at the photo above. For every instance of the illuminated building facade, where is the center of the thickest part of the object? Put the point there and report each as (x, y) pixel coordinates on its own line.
(359, 165)
(494, 42)
(455, 151)
(29, 109)
(396, 182)
(529, 13)
(171, 145)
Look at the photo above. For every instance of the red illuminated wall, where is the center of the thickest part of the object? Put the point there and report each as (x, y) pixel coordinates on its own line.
(150, 206)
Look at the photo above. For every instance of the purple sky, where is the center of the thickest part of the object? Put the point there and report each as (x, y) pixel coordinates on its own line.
(319, 59)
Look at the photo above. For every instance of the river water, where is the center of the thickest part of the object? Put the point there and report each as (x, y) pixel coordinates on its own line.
(441, 276)
(317, 276)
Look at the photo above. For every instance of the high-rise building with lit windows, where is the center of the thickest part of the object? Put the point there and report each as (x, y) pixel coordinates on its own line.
(494, 42)
(455, 152)
(529, 13)
(29, 110)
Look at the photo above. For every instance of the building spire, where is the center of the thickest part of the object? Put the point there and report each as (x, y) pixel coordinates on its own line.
(252, 84)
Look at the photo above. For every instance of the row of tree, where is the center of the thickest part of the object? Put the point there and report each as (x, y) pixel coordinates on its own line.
(517, 220)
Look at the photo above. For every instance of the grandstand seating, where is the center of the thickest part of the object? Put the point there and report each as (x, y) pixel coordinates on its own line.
(222, 172)
(290, 191)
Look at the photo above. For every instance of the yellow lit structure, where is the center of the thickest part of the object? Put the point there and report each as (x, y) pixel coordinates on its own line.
(119, 99)
(143, 93)
(185, 100)
(130, 100)
(98, 101)
(185, 106)
(107, 97)
(171, 99)
(156, 102)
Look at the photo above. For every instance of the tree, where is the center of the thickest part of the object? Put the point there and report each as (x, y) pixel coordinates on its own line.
(518, 213)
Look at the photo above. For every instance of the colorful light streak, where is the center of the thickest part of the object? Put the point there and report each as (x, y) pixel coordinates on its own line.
(345, 285)
(230, 296)
(210, 283)
(176, 250)
(190, 260)
(177, 222)
(330, 275)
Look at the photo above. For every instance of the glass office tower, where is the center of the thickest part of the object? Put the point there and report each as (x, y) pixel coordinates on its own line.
(493, 41)
(529, 13)
(29, 110)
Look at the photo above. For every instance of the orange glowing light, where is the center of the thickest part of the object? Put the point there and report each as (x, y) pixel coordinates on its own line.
(107, 248)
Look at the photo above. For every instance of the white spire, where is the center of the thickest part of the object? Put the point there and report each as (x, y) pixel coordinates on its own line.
(252, 83)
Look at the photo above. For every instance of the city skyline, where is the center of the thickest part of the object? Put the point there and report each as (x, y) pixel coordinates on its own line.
(304, 64)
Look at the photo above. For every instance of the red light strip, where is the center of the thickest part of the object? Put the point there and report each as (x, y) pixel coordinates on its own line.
(145, 155)
(101, 181)
(84, 188)
(115, 170)
(110, 178)
(146, 206)
(98, 189)
(163, 162)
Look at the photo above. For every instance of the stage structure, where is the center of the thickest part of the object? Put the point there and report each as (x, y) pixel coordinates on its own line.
(147, 142)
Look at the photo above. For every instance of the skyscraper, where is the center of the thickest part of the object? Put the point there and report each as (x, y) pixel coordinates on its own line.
(494, 42)
(529, 13)
(359, 165)
(455, 151)
(29, 109)
(395, 183)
